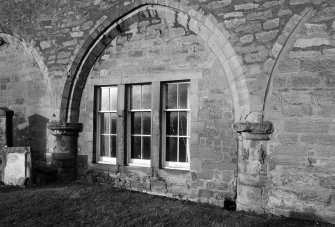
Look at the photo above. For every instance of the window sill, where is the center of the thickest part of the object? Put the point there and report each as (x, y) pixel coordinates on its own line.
(103, 166)
(177, 168)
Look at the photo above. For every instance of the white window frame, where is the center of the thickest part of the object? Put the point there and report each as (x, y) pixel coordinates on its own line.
(104, 159)
(171, 164)
(133, 161)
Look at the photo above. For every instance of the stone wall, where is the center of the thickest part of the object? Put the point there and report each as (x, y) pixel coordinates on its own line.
(249, 61)
(160, 49)
(24, 91)
(301, 181)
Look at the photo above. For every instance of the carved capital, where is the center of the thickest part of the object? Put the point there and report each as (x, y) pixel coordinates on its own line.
(253, 128)
(254, 131)
(63, 128)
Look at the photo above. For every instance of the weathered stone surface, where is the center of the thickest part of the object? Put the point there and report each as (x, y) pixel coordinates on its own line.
(288, 139)
(247, 6)
(203, 193)
(246, 39)
(304, 54)
(266, 36)
(17, 165)
(329, 52)
(271, 4)
(322, 140)
(306, 126)
(234, 23)
(304, 43)
(271, 24)
(259, 15)
(317, 65)
(316, 29)
(292, 65)
(284, 12)
(259, 56)
(299, 2)
(233, 14)
(219, 4)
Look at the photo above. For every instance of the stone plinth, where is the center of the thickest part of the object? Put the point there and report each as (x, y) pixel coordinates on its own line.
(64, 152)
(15, 165)
(252, 165)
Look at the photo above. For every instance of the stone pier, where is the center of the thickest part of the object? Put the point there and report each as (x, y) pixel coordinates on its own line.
(64, 152)
(252, 165)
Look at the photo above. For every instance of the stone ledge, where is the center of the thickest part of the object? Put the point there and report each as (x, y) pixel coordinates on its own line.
(253, 128)
(63, 128)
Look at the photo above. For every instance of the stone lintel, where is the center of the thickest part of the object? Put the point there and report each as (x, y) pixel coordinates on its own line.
(64, 128)
(253, 128)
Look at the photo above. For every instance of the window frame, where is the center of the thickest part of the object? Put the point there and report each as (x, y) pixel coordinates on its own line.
(104, 159)
(164, 111)
(129, 135)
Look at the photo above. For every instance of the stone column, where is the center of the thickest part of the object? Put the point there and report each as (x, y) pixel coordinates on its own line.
(252, 165)
(64, 152)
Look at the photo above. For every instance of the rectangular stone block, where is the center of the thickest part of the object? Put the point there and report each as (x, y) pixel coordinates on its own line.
(16, 165)
(290, 151)
(204, 193)
(317, 126)
(318, 65)
(289, 65)
(288, 139)
(322, 140)
(260, 15)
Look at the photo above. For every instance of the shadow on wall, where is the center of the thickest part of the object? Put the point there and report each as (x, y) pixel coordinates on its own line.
(32, 133)
(311, 216)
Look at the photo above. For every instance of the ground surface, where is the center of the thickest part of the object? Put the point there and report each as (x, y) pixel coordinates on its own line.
(82, 204)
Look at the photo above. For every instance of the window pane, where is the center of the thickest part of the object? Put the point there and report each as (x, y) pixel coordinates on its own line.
(104, 102)
(113, 146)
(113, 98)
(171, 149)
(171, 96)
(171, 123)
(104, 146)
(146, 123)
(183, 123)
(146, 97)
(146, 147)
(135, 102)
(183, 96)
(182, 150)
(136, 123)
(113, 123)
(105, 123)
(136, 147)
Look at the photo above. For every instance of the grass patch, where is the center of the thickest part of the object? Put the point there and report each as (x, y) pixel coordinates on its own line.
(81, 204)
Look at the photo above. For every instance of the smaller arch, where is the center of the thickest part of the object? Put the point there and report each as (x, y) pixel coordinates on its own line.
(10, 39)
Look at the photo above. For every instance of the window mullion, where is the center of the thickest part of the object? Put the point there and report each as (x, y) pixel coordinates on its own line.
(141, 131)
(178, 136)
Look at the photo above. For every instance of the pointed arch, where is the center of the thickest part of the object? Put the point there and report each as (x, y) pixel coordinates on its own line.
(205, 27)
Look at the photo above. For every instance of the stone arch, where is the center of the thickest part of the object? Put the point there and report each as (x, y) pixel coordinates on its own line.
(206, 27)
(27, 91)
(10, 39)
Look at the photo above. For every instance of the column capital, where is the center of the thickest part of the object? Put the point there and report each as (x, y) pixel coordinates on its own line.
(254, 131)
(59, 128)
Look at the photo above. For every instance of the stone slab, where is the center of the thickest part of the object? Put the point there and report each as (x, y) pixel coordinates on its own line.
(15, 165)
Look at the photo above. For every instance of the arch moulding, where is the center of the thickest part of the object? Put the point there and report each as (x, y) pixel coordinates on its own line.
(205, 27)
